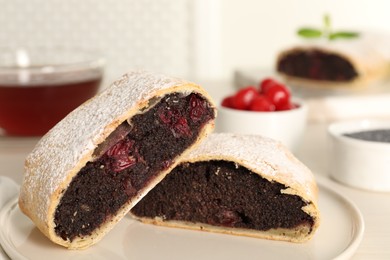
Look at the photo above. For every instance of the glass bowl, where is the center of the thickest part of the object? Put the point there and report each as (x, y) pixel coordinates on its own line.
(40, 86)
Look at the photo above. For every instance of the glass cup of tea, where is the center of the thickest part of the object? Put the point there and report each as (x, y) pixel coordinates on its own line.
(40, 86)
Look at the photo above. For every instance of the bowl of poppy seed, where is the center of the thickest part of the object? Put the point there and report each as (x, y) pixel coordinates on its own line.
(359, 153)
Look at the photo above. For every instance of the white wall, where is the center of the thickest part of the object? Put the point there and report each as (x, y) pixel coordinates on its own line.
(198, 39)
(132, 34)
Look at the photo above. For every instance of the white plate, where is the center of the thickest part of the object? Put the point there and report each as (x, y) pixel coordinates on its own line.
(338, 237)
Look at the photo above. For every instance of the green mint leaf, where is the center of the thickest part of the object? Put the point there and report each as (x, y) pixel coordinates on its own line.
(327, 23)
(343, 35)
(309, 33)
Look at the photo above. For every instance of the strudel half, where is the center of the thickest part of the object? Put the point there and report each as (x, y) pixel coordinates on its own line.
(240, 185)
(342, 63)
(88, 171)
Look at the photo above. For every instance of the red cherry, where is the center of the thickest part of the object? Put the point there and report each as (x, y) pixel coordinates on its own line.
(278, 94)
(243, 98)
(122, 147)
(197, 108)
(228, 102)
(287, 106)
(181, 128)
(119, 157)
(262, 103)
(266, 83)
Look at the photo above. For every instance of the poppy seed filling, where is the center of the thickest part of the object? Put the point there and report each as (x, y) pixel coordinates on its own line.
(132, 156)
(317, 65)
(221, 193)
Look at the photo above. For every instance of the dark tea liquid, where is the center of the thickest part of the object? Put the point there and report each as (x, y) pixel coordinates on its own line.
(33, 110)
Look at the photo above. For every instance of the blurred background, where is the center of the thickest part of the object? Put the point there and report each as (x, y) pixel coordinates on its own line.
(195, 39)
(205, 41)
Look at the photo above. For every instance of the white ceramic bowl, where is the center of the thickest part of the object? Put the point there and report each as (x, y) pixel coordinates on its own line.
(359, 163)
(286, 126)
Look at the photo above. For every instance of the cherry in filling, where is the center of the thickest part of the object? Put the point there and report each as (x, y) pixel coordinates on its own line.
(222, 194)
(317, 65)
(128, 160)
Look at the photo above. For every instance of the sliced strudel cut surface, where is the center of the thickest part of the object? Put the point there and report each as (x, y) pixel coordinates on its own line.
(88, 171)
(342, 63)
(240, 185)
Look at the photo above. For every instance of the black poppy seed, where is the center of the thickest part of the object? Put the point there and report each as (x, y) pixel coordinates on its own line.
(376, 135)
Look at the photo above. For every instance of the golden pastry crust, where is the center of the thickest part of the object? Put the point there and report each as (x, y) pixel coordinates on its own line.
(270, 160)
(67, 147)
(369, 64)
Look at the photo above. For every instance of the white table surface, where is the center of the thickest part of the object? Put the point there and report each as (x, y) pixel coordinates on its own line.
(374, 206)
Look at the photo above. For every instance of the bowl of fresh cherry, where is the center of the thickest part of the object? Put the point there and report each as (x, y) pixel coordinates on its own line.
(267, 109)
